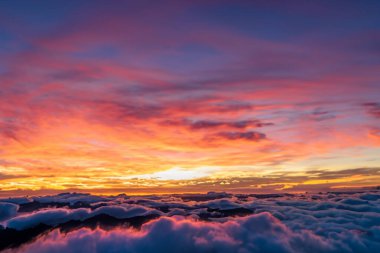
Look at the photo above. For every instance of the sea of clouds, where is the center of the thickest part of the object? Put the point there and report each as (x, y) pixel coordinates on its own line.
(213, 222)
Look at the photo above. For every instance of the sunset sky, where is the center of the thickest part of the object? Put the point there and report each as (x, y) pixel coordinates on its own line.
(189, 96)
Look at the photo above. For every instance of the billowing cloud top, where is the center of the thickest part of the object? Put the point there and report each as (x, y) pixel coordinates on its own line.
(336, 222)
(188, 96)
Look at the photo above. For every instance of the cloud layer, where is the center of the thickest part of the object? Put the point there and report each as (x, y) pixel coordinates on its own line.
(215, 222)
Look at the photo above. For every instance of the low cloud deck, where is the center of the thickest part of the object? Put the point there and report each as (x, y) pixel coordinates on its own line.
(213, 222)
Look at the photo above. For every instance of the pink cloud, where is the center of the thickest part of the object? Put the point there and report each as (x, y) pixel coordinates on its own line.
(257, 233)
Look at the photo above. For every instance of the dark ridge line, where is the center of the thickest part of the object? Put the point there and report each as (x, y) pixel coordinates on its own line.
(12, 238)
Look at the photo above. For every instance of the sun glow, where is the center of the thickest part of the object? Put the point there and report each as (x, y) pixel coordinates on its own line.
(178, 173)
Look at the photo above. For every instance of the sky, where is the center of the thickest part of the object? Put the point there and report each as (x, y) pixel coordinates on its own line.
(189, 96)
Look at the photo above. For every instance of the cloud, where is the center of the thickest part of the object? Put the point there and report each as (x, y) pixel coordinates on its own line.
(373, 109)
(325, 222)
(56, 216)
(215, 124)
(249, 135)
(201, 124)
(221, 204)
(122, 212)
(17, 200)
(334, 174)
(49, 217)
(71, 198)
(7, 210)
(4, 176)
(256, 233)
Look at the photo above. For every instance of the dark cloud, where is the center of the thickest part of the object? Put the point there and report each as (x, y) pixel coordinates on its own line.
(84, 75)
(210, 124)
(373, 109)
(323, 174)
(9, 129)
(232, 106)
(4, 176)
(237, 124)
(321, 115)
(250, 135)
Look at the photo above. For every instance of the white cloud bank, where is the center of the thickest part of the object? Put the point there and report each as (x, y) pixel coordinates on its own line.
(332, 222)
